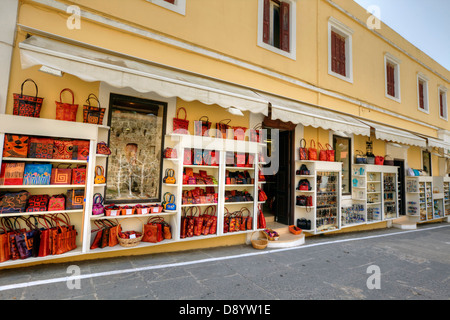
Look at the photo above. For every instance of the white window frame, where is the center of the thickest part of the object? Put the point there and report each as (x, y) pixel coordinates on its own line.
(341, 29)
(389, 58)
(292, 54)
(442, 89)
(179, 6)
(424, 79)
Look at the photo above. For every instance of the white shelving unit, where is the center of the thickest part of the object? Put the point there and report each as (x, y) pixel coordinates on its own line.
(325, 180)
(425, 198)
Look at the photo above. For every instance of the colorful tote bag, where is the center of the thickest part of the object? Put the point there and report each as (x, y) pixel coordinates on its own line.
(80, 149)
(57, 203)
(41, 148)
(66, 111)
(14, 202)
(75, 199)
(93, 114)
(62, 149)
(37, 174)
(14, 173)
(79, 175)
(37, 203)
(16, 146)
(61, 175)
(27, 106)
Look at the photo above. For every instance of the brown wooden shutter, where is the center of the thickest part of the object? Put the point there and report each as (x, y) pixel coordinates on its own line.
(390, 75)
(284, 29)
(441, 104)
(266, 21)
(338, 53)
(170, 1)
(421, 101)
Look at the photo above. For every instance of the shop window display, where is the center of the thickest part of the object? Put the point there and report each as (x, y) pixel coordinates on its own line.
(134, 167)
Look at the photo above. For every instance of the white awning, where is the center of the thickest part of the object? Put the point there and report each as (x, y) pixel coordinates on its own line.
(438, 143)
(387, 133)
(301, 113)
(93, 64)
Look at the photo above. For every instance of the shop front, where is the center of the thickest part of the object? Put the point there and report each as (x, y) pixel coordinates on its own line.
(164, 157)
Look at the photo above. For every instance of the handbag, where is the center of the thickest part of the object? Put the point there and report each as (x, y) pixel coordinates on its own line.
(239, 133)
(61, 175)
(66, 111)
(312, 151)
(187, 156)
(102, 148)
(388, 161)
(304, 224)
(153, 231)
(322, 152)
(169, 177)
(16, 146)
(64, 239)
(262, 195)
(303, 151)
(14, 202)
(4, 243)
(13, 173)
(91, 114)
(170, 153)
(27, 106)
(360, 158)
(99, 175)
(97, 206)
(261, 219)
(37, 203)
(80, 149)
(222, 127)
(79, 175)
(57, 203)
(202, 126)
(75, 199)
(304, 185)
(379, 160)
(330, 152)
(198, 224)
(181, 125)
(169, 203)
(62, 149)
(41, 148)
(37, 174)
(255, 133)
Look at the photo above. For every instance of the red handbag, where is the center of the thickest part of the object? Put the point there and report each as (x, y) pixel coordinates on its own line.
(27, 106)
(330, 153)
(261, 219)
(262, 195)
(16, 146)
(62, 149)
(79, 175)
(66, 111)
(322, 153)
(61, 175)
(41, 148)
(80, 149)
(181, 125)
(57, 203)
(37, 203)
(153, 230)
(379, 160)
(312, 151)
(102, 148)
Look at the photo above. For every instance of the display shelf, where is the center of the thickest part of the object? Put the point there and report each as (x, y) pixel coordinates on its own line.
(39, 213)
(104, 217)
(45, 160)
(419, 198)
(44, 186)
(322, 207)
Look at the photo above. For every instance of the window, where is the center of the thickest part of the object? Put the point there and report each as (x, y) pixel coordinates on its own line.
(392, 77)
(342, 147)
(443, 112)
(340, 50)
(136, 140)
(178, 6)
(276, 26)
(422, 92)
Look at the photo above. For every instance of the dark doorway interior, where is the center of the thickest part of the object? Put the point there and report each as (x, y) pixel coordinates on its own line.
(400, 163)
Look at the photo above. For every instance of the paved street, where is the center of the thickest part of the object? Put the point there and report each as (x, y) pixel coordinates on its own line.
(412, 265)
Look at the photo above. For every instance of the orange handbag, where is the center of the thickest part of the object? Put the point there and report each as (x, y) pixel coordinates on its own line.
(312, 151)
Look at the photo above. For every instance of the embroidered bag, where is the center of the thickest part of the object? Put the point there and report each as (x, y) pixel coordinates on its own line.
(62, 149)
(37, 203)
(57, 203)
(41, 148)
(181, 125)
(13, 173)
(27, 106)
(79, 175)
(91, 114)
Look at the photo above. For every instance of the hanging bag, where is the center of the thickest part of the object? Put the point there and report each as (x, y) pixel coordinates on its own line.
(303, 151)
(102, 148)
(180, 126)
(330, 152)
(91, 114)
(255, 133)
(27, 106)
(312, 151)
(261, 219)
(66, 111)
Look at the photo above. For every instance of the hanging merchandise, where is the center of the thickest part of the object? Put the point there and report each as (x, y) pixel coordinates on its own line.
(99, 175)
(181, 126)
(239, 133)
(388, 161)
(27, 106)
(170, 176)
(303, 152)
(66, 111)
(312, 151)
(201, 126)
(16, 146)
(91, 114)
(261, 219)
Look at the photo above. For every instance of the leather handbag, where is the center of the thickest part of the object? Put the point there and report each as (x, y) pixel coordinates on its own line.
(91, 114)
(303, 223)
(80, 149)
(102, 148)
(37, 203)
(16, 146)
(170, 153)
(169, 177)
(303, 151)
(57, 203)
(304, 185)
(97, 206)
(312, 151)
(153, 230)
(37, 174)
(62, 149)
(41, 148)
(180, 125)
(255, 133)
(262, 195)
(61, 175)
(379, 160)
(99, 175)
(169, 202)
(4, 242)
(261, 219)
(66, 111)
(27, 106)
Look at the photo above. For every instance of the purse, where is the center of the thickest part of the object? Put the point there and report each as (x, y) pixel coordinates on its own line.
(261, 219)
(102, 148)
(75, 199)
(79, 175)
(14, 202)
(181, 125)
(37, 174)
(62, 149)
(312, 151)
(37, 203)
(304, 185)
(169, 177)
(222, 127)
(153, 230)
(379, 160)
(303, 151)
(57, 203)
(13, 173)
(41, 148)
(202, 126)
(330, 153)
(97, 206)
(303, 223)
(91, 114)
(170, 153)
(61, 176)
(16, 146)
(80, 149)
(27, 106)
(169, 203)
(99, 175)
(66, 111)
(322, 152)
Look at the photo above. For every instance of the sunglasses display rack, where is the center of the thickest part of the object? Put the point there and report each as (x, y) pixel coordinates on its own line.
(322, 210)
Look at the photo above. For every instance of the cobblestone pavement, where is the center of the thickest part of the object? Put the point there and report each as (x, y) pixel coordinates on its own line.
(408, 265)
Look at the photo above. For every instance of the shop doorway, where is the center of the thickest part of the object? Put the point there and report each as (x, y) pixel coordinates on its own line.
(400, 164)
(278, 186)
